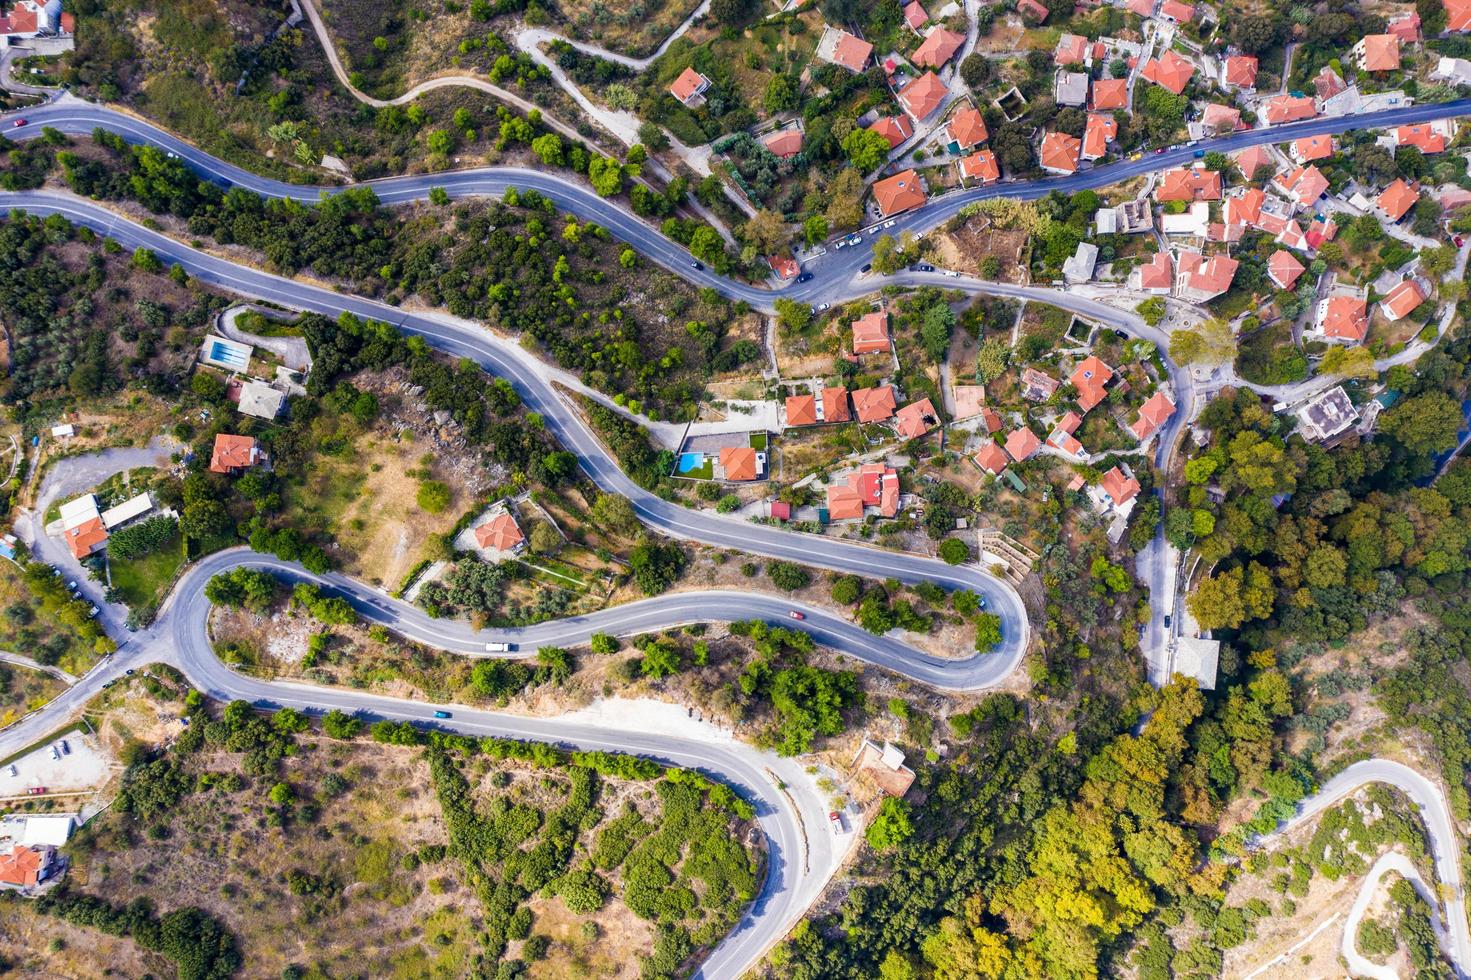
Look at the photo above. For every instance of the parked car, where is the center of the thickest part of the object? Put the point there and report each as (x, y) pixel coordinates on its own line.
(1459, 241)
(93, 612)
(805, 277)
(1167, 622)
(797, 615)
(14, 771)
(55, 752)
(868, 267)
(823, 307)
(836, 819)
(441, 714)
(65, 749)
(36, 790)
(924, 267)
(952, 273)
(1199, 154)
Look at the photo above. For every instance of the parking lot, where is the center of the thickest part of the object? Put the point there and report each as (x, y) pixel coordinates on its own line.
(86, 767)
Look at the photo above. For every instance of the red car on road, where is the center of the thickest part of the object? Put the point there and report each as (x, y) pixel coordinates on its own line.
(18, 124)
(36, 790)
(796, 615)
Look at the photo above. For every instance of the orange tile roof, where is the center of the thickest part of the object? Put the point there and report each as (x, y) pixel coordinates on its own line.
(1241, 71)
(1426, 137)
(1381, 52)
(991, 419)
(1305, 184)
(895, 129)
(1097, 135)
(1457, 14)
(916, 418)
(1189, 184)
(86, 537)
(980, 165)
(1144, 8)
(232, 453)
(939, 47)
(1252, 159)
(801, 410)
(871, 333)
(1344, 318)
(1152, 414)
(1065, 441)
(1328, 83)
(1110, 93)
(784, 266)
(844, 503)
(1288, 108)
(898, 193)
(1406, 27)
(874, 404)
(879, 485)
(1069, 422)
(689, 84)
(1060, 152)
(1176, 10)
(1397, 199)
(968, 127)
(1022, 443)
(1121, 488)
(1284, 269)
(1157, 273)
(1402, 299)
(915, 15)
(501, 533)
(1072, 49)
(22, 866)
(1091, 378)
(851, 52)
(1218, 117)
(739, 462)
(1170, 71)
(1311, 148)
(784, 143)
(921, 97)
(835, 404)
(991, 458)
(1037, 10)
(1210, 278)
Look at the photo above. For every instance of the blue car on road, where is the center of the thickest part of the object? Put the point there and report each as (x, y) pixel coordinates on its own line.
(441, 714)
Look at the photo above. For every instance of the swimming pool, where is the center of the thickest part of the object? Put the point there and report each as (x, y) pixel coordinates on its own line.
(231, 355)
(689, 462)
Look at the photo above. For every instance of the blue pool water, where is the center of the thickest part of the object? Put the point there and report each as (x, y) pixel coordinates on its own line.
(690, 461)
(225, 354)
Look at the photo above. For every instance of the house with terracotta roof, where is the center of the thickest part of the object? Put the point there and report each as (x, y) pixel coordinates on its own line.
(1253, 159)
(1328, 83)
(1169, 71)
(1199, 279)
(1406, 27)
(899, 193)
(1059, 153)
(874, 485)
(834, 404)
(1120, 487)
(690, 88)
(1376, 52)
(1189, 184)
(1288, 108)
(1108, 94)
(915, 419)
(1032, 10)
(1090, 379)
(234, 453)
(1311, 148)
(1144, 8)
(1397, 199)
(921, 97)
(1284, 269)
(741, 464)
(895, 129)
(1342, 319)
(1155, 276)
(30, 19)
(871, 333)
(874, 404)
(784, 143)
(915, 15)
(1021, 444)
(1402, 299)
(1239, 72)
(991, 458)
(784, 266)
(966, 129)
(1155, 412)
(1072, 49)
(1219, 119)
(844, 503)
(26, 867)
(1181, 13)
(937, 48)
(1431, 137)
(980, 166)
(1303, 185)
(1457, 14)
(85, 538)
(838, 47)
(1065, 441)
(801, 410)
(501, 533)
(1038, 387)
(1100, 131)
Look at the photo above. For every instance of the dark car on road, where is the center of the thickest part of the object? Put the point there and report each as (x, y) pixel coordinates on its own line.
(441, 714)
(805, 277)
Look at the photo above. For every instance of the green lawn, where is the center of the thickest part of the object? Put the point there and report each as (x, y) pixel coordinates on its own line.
(141, 580)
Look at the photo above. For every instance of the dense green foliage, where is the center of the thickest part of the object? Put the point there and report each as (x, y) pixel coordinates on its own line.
(143, 538)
